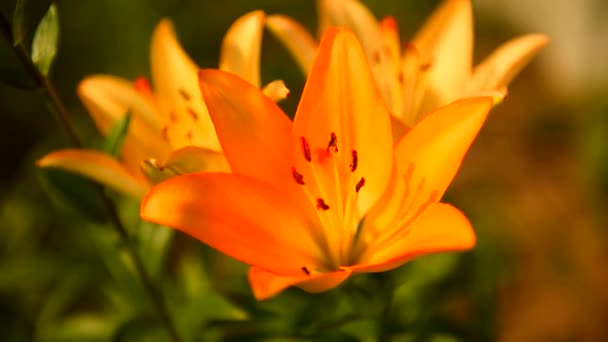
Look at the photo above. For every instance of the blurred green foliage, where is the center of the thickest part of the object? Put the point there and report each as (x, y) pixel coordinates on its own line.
(66, 274)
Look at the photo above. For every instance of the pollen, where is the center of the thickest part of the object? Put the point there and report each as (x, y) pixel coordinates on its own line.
(306, 149)
(321, 204)
(354, 162)
(298, 177)
(359, 184)
(333, 143)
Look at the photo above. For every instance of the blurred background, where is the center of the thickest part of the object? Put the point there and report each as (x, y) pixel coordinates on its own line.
(534, 184)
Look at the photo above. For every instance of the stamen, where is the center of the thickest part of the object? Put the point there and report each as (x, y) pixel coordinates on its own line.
(306, 149)
(359, 184)
(192, 113)
(333, 143)
(299, 178)
(184, 94)
(321, 204)
(305, 270)
(354, 162)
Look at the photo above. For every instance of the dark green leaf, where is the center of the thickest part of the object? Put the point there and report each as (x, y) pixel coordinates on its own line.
(19, 23)
(46, 37)
(117, 135)
(73, 194)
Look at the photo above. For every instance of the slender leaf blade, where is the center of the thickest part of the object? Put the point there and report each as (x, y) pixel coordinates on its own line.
(46, 38)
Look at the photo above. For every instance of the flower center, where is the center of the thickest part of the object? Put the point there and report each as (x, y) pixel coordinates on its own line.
(332, 184)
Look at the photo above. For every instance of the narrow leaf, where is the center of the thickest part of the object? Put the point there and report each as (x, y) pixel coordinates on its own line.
(117, 135)
(44, 45)
(19, 23)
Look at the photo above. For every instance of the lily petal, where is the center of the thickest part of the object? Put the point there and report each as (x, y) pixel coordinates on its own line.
(174, 76)
(341, 97)
(186, 160)
(295, 37)
(240, 216)
(241, 47)
(355, 16)
(255, 134)
(433, 149)
(108, 99)
(267, 284)
(497, 70)
(276, 90)
(444, 45)
(440, 227)
(97, 166)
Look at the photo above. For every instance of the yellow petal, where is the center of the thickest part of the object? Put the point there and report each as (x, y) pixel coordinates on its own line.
(240, 216)
(108, 99)
(174, 76)
(444, 46)
(254, 132)
(432, 151)
(186, 160)
(341, 97)
(497, 71)
(276, 90)
(439, 228)
(295, 37)
(97, 166)
(241, 47)
(355, 16)
(427, 159)
(267, 284)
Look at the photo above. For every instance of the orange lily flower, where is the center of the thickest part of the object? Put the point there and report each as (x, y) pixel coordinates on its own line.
(170, 130)
(311, 202)
(432, 70)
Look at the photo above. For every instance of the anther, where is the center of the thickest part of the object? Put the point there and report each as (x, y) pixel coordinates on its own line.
(306, 149)
(298, 177)
(192, 113)
(305, 270)
(184, 94)
(359, 184)
(354, 162)
(333, 143)
(321, 204)
(189, 135)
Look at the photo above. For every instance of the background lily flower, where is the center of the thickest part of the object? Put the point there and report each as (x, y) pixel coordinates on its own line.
(170, 131)
(434, 69)
(311, 202)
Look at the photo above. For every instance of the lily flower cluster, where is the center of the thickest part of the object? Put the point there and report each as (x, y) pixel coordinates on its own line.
(352, 185)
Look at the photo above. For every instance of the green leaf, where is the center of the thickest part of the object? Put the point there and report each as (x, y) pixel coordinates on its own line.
(44, 45)
(19, 23)
(117, 135)
(73, 194)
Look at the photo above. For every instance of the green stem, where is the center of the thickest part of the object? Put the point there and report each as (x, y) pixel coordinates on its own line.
(58, 108)
(60, 111)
